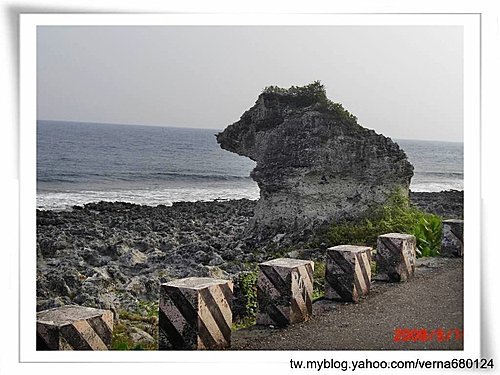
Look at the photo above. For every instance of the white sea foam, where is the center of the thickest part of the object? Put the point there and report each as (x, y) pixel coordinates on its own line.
(429, 185)
(167, 196)
(153, 165)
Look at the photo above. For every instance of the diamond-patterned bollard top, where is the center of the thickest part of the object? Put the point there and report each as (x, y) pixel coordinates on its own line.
(396, 255)
(74, 328)
(284, 291)
(452, 243)
(195, 313)
(348, 272)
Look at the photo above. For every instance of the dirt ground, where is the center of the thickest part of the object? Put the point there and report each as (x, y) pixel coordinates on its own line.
(433, 299)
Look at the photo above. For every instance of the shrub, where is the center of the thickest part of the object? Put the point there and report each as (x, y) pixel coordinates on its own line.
(313, 93)
(428, 234)
(313, 90)
(249, 289)
(397, 216)
(247, 311)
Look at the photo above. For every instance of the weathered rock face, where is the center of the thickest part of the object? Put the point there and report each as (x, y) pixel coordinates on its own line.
(315, 164)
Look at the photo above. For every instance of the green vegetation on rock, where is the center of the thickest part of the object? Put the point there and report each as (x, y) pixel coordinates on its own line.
(134, 335)
(247, 285)
(138, 329)
(319, 280)
(308, 95)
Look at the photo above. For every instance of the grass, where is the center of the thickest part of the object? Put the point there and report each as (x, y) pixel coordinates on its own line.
(123, 340)
(145, 318)
(319, 280)
(245, 322)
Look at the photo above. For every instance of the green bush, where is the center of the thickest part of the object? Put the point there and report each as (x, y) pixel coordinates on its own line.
(313, 93)
(428, 234)
(313, 90)
(397, 216)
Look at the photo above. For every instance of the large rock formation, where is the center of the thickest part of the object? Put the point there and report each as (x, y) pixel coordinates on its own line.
(315, 164)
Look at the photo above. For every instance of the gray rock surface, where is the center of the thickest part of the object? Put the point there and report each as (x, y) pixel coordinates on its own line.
(86, 255)
(447, 204)
(315, 164)
(452, 243)
(115, 255)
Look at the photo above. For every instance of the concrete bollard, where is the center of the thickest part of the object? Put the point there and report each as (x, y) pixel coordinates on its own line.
(195, 313)
(284, 291)
(348, 272)
(452, 243)
(396, 255)
(74, 328)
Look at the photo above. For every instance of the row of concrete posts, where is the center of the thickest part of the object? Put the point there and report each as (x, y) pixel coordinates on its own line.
(195, 313)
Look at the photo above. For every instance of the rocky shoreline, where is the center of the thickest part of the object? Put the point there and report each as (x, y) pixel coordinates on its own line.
(447, 204)
(115, 255)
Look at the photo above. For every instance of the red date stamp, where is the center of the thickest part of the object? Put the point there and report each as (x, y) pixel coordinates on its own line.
(425, 335)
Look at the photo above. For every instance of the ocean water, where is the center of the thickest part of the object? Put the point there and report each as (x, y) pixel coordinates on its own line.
(437, 165)
(79, 163)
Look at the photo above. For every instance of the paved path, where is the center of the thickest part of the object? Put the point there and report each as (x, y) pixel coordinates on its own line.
(431, 300)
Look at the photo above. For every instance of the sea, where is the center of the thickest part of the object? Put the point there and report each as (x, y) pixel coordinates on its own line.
(78, 163)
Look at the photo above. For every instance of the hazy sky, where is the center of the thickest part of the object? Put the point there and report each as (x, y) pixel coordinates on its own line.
(401, 81)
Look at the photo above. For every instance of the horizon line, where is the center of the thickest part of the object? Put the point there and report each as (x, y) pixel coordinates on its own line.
(217, 129)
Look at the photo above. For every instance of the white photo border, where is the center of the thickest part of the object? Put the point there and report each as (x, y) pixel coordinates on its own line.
(27, 258)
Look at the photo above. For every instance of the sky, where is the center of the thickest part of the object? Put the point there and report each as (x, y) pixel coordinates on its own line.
(405, 82)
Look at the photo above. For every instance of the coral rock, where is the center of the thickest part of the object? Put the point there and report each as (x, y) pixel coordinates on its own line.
(315, 164)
